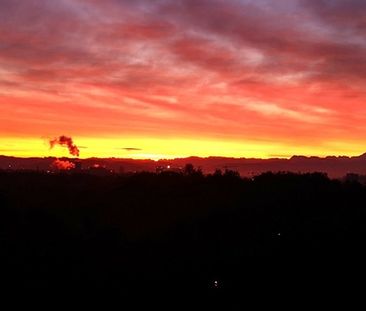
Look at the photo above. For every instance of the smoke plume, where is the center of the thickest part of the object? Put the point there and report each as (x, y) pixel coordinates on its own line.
(62, 165)
(65, 142)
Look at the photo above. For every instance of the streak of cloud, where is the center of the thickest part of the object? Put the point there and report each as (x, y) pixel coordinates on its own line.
(131, 149)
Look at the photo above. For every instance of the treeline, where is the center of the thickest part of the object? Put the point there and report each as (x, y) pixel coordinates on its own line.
(182, 229)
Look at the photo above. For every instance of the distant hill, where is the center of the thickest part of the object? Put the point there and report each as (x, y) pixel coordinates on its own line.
(332, 165)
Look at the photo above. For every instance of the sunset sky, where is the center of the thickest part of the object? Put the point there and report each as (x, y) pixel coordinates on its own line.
(175, 78)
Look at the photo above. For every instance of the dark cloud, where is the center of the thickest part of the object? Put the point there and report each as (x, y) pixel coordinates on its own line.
(347, 16)
(62, 42)
(65, 142)
(131, 149)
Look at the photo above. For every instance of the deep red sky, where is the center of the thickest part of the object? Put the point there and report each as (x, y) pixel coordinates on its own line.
(183, 77)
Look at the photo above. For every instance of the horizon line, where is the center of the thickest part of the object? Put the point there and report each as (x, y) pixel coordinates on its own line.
(283, 157)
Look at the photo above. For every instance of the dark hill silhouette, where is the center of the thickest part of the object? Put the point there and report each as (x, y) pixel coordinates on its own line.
(335, 167)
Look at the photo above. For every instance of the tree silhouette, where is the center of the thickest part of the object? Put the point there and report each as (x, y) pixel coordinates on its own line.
(132, 230)
(188, 169)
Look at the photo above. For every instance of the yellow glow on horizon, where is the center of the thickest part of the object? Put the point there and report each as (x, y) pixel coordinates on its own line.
(157, 148)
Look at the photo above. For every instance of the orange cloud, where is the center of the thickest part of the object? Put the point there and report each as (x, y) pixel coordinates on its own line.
(288, 73)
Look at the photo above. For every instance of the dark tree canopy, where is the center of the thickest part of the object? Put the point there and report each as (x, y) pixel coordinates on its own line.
(182, 229)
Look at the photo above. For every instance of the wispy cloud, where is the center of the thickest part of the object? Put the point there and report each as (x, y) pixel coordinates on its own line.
(130, 149)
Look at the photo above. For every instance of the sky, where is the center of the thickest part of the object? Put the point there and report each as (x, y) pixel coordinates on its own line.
(176, 78)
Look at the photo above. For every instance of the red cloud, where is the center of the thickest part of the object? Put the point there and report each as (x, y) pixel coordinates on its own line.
(184, 68)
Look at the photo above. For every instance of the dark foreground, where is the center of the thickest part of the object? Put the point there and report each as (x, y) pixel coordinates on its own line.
(209, 234)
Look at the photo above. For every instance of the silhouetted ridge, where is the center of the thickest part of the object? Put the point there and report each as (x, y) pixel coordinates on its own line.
(334, 166)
